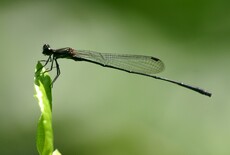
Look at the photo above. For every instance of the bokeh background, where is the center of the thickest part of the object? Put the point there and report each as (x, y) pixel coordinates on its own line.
(100, 111)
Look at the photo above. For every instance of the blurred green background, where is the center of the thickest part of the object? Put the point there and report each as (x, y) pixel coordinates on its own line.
(100, 111)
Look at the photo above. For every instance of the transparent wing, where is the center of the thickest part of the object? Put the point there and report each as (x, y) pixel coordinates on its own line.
(130, 63)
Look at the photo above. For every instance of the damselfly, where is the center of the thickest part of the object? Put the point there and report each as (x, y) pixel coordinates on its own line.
(135, 64)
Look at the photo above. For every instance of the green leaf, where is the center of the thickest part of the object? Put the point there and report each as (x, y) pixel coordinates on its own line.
(42, 84)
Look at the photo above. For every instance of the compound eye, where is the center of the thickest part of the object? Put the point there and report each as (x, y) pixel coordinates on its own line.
(46, 49)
